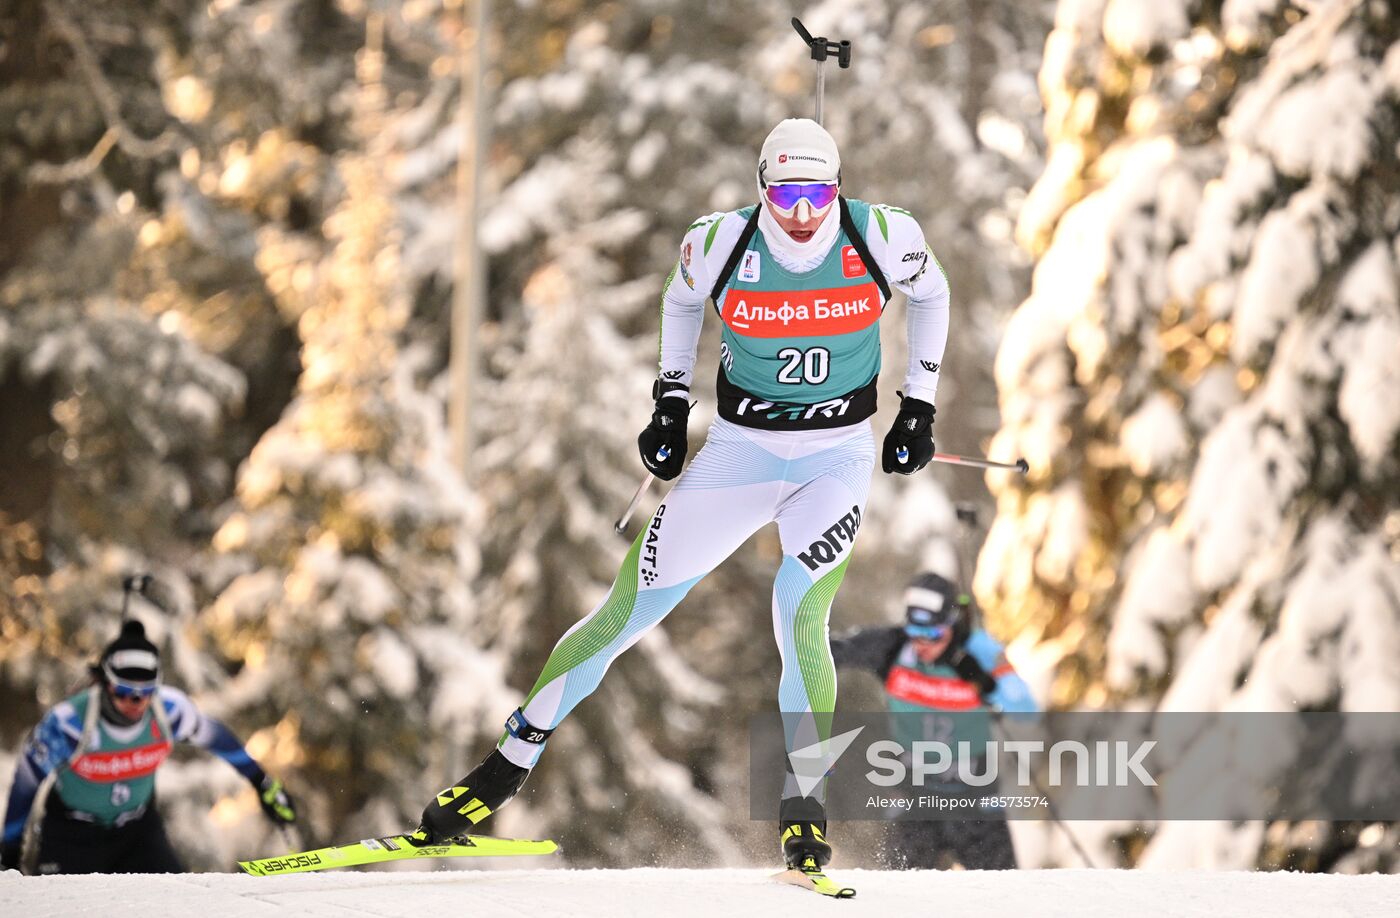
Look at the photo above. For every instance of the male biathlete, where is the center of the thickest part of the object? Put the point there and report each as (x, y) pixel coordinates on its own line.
(800, 282)
(91, 764)
(946, 679)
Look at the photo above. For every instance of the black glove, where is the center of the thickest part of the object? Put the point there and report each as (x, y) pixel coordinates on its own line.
(276, 802)
(972, 671)
(9, 855)
(662, 444)
(912, 432)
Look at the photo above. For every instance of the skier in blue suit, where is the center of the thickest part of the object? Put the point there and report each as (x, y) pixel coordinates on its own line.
(944, 679)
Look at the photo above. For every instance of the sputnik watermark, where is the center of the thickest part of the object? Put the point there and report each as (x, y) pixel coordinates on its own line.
(1098, 764)
(943, 802)
(1135, 765)
(814, 762)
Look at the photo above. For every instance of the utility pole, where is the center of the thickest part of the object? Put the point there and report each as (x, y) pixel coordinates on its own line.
(469, 286)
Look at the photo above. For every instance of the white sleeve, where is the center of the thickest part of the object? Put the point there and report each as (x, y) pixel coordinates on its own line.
(186, 723)
(897, 245)
(706, 245)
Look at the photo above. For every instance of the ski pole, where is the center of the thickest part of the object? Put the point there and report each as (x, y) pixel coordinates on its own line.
(136, 583)
(292, 837)
(662, 455)
(967, 521)
(1049, 804)
(1020, 465)
(132, 583)
(820, 48)
(967, 516)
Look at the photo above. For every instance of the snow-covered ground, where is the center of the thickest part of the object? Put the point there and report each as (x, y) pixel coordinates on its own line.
(678, 893)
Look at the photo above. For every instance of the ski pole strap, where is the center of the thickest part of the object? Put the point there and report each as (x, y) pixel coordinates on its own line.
(863, 250)
(738, 252)
(662, 387)
(520, 728)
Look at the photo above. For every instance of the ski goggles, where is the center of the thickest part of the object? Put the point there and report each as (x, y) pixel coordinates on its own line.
(927, 632)
(784, 197)
(929, 624)
(128, 691)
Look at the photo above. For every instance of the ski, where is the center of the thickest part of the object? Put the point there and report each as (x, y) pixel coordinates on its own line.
(812, 878)
(392, 848)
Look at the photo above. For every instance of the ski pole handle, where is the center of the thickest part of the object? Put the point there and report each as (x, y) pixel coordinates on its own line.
(806, 36)
(620, 526)
(135, 583)
(820, 48)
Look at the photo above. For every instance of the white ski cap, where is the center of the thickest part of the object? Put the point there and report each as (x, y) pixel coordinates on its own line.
(799, 148)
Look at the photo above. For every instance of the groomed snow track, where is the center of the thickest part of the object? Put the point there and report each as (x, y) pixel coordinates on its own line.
(658, 893)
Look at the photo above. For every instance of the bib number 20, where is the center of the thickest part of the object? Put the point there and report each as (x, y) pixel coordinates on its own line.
(811, 366)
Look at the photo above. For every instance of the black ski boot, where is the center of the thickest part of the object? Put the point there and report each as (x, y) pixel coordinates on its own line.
(457, 809)
(802, 822)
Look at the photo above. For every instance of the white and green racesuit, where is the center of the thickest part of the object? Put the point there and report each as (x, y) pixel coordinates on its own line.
(792, 444)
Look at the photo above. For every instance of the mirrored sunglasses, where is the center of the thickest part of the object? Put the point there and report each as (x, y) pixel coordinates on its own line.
(926, 632)
(128, 691)
(785, 197)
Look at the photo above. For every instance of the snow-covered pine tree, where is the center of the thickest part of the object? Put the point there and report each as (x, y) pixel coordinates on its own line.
(1204, 379)
(352, 621)
(114, 414)
(164, 176)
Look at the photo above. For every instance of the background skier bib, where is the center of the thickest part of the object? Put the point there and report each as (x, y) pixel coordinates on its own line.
(113, 777)
(932, 702)
(800, 351)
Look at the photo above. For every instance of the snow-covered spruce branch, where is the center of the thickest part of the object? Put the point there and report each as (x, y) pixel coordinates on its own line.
(107, 99)
(75, 169)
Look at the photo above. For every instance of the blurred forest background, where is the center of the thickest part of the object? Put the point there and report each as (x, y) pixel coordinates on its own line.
(229, 237)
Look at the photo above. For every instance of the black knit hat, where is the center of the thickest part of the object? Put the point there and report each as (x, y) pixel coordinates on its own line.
(932, 602)
(131, 658)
